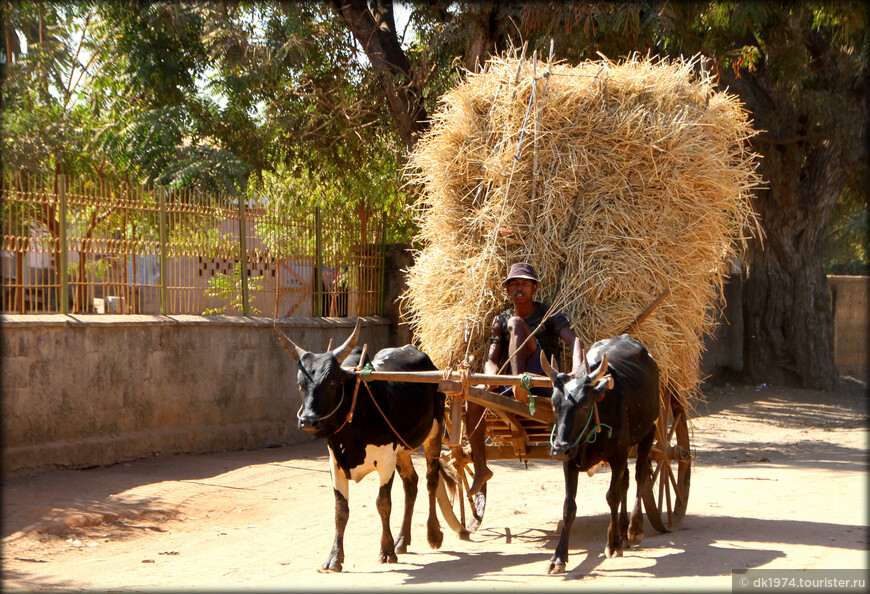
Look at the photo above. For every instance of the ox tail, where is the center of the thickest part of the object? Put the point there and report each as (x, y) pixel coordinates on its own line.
(446, 494)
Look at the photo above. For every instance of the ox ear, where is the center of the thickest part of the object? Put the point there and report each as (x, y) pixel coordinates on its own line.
(344, 350)
(604, 384)
(551, 371)
(294, 351)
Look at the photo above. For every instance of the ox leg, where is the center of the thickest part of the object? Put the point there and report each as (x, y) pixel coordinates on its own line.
(642, 474)
(385, 505)
(409, 482)
(342, 513)
(615, 497)
(623, 505)
(432, 449)
(569, 512)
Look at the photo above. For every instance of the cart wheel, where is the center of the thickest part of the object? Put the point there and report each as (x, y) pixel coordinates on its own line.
(462, 512)
(666, 496)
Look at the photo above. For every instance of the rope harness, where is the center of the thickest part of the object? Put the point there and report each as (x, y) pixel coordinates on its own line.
(334, 410)
(593, 433)
(364, 375)
(526, 384)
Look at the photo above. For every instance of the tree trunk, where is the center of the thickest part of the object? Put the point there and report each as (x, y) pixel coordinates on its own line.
(788, 333)
(485, 35)
(375, 30)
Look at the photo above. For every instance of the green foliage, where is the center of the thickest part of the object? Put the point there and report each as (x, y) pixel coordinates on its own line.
(274, 100)
(847, 241)
(162, 46)
(229, 289)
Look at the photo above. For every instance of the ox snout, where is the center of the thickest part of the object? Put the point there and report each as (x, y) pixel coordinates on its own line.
(561, 450)
(310, 423)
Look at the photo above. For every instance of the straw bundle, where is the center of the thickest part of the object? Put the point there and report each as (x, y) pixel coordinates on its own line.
(615, 181)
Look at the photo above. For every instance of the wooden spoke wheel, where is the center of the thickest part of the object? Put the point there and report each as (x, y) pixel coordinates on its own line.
(666, 496)
(462, 512)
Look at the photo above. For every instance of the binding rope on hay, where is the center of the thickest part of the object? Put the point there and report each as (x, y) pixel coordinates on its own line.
(615, 180)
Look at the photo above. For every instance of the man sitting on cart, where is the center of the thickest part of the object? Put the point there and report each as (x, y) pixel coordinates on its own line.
(518, 334)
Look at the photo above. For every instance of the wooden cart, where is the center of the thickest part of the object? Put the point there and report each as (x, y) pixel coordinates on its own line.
(515, 432)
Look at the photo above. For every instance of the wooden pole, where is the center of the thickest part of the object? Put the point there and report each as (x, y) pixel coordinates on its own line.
(164, 273)
(64, 284)
(646, 312)
(318, 264)
(243, 256)
(432, 377)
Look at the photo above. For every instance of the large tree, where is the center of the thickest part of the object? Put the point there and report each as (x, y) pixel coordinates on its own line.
(800, 69)
(805, 81)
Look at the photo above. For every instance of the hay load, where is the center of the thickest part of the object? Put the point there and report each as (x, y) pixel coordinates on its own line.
(616, 180)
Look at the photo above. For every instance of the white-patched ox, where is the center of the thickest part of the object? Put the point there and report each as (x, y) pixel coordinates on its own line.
(390, 420)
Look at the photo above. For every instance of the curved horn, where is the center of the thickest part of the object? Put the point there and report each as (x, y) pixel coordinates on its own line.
(549, 369)
(602, 369)
(289, 346)
(585, 360)
(344, 350)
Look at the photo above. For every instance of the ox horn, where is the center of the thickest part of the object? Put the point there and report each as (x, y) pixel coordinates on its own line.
(551, 371)
(344, 350)
(602, 369)
(577, 339)
(289, 346)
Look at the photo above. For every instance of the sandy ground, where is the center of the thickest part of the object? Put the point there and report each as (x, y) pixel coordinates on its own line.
(779, 481)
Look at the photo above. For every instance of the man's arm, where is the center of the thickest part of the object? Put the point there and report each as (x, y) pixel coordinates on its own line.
(496, 346)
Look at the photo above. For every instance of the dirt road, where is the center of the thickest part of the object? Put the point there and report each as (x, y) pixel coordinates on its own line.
(780, 481)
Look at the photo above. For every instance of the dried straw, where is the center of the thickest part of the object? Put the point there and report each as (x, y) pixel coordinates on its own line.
(616, 180)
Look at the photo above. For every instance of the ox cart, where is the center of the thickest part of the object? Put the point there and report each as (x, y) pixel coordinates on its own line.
(517, 431)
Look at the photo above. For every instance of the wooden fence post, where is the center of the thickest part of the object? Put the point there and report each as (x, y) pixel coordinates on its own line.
(243, 257)
(64, 284)
(383, 261)
(164, 302)
(318, 257)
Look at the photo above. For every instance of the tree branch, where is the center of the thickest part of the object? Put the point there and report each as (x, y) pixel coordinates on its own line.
(374, 29)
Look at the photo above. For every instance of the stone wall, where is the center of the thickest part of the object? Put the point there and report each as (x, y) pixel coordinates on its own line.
(88, 390)
(723, 355)
(849, 296)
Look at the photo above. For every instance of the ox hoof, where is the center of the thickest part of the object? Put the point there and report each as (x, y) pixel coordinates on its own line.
(556, 567)
(611, 552)
(634, 538)
(330, 567)
(388, 558)
(401, 545)
(435, 538)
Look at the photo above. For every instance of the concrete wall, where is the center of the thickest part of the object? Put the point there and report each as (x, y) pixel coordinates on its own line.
(87, 390)
(849, 296)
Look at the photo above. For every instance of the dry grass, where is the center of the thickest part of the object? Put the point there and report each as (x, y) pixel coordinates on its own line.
(616, 180)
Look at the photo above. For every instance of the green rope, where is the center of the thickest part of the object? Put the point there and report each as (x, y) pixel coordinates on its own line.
(590, 437)
(593, 435)
(526, 384)
(365, 374)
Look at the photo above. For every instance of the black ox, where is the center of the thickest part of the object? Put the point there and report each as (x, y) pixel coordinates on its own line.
(390, 420)
(623, 380)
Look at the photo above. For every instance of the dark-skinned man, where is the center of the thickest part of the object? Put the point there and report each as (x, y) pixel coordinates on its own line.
(509, 332)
